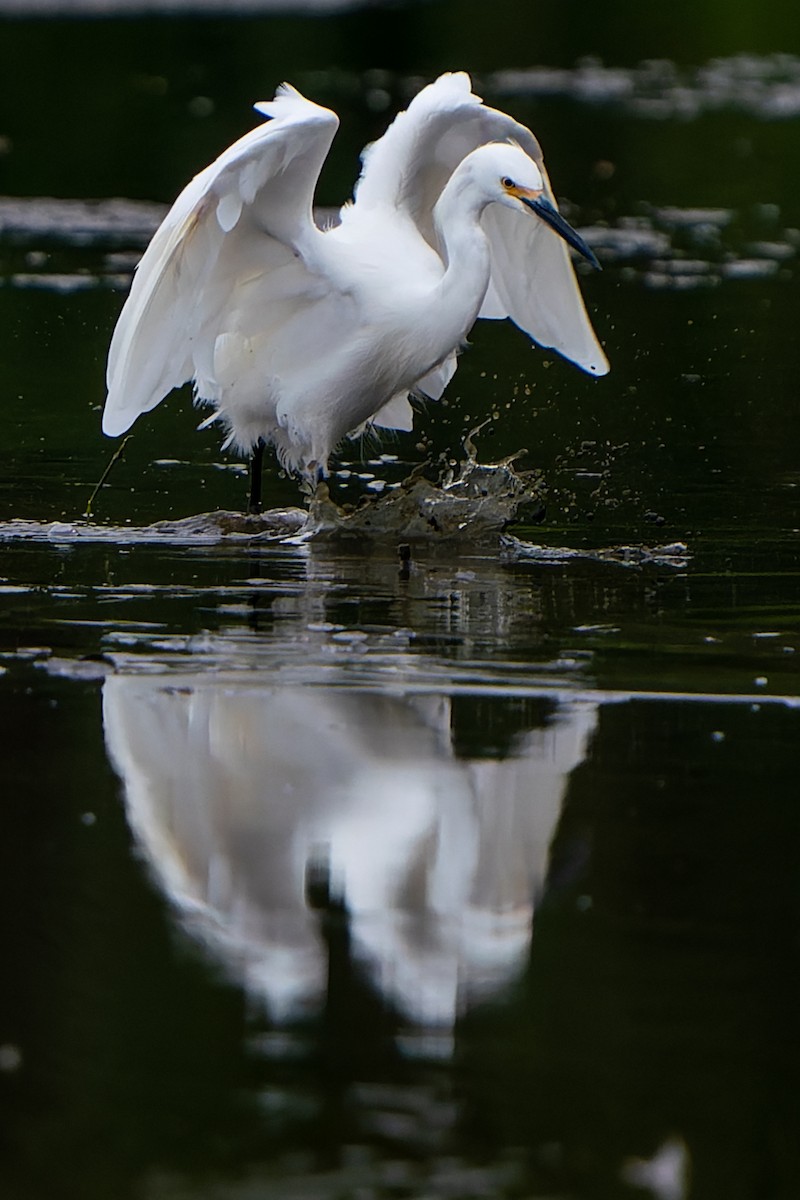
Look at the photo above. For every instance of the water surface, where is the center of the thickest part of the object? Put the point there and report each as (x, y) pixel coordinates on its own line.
(332, 874)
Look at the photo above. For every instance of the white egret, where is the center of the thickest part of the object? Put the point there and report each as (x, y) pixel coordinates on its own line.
(299, 335)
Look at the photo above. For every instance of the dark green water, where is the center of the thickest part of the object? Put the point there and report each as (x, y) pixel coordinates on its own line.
(328, 878)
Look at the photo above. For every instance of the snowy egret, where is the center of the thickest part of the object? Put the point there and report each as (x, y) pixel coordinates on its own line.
(299, 335)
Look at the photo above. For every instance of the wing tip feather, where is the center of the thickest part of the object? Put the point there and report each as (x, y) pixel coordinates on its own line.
(288, 101)
(116, 420)
(597, 365)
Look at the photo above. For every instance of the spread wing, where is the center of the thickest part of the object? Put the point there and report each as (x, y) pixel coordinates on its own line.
(532, 281)
(247, 216)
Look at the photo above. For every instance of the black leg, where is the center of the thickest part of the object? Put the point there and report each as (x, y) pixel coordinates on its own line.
(256, 461)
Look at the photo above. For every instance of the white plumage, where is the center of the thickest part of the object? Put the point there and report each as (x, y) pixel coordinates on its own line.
(299, 336)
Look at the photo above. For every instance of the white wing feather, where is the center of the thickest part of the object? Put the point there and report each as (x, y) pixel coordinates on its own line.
(397, 413)
(532, 280)
(408, 167)
(246, 215)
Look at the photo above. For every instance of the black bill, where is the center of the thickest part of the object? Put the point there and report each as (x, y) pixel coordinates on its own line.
(552, 217)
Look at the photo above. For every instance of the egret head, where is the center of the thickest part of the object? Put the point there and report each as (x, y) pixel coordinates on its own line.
(513, 179)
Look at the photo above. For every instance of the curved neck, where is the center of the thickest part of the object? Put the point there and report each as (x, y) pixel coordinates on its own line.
(465, 247)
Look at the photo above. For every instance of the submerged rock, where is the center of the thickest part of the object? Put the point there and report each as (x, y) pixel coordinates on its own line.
(204, 529)
(274, 523)
(674, 554)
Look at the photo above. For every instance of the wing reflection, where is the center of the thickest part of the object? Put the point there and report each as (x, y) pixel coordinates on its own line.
(250, 800)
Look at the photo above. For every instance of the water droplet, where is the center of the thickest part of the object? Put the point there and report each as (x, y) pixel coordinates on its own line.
(10, 1057)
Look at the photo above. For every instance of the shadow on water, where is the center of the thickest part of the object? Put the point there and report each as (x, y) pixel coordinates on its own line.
(329, 872)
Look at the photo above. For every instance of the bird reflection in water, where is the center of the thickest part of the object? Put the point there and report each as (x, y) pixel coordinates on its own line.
(257, 806)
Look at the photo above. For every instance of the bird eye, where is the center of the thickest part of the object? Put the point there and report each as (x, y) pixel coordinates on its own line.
(507, 182)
